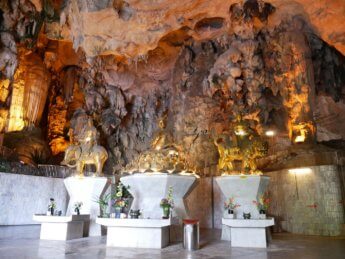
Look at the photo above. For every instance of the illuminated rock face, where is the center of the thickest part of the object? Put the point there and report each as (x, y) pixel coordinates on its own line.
(30, 90)
(137, 26)
(128, 62)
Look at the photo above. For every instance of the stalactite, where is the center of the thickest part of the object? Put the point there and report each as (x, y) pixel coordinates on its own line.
(37, 81)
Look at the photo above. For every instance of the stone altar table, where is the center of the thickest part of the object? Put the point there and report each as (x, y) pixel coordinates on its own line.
(61, 227)
(87, 190)
(245, 189)
(139, 233)
(249, 232)
(149, 188)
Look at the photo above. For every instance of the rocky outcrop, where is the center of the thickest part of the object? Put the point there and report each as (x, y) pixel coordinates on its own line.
(126, 63)
(132, 28)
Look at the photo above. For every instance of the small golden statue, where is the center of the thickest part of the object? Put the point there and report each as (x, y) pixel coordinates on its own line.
(85, 150)
(244, 145)
(163, 156)
(303, 132)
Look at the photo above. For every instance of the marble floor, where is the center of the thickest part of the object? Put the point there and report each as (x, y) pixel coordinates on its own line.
(23, 242)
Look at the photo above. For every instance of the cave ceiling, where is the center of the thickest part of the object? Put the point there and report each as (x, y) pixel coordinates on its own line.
(132, 28)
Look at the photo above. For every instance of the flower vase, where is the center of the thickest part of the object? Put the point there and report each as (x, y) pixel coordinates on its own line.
(78, 211)
(262, 214)
(51, 211)
(118, 211)
(166, 212)
(246, 215)
(230, 214)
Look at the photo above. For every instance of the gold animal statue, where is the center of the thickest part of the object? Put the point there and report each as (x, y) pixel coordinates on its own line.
(76, 158)
(303, 132)
(243, 145)
(86, 151)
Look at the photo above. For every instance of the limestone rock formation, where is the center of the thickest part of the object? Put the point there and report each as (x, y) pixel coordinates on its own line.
(97, 26)
(125, 63)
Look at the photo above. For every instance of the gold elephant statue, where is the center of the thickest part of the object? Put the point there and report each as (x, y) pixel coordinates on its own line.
(75, 157)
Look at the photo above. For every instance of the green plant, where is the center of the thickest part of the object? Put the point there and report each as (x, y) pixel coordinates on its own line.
(103, 203)
(52, 204)
(168, 201)
(121, 196)
(263, 203)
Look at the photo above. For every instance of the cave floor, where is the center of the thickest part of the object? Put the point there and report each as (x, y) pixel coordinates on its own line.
(23, 242)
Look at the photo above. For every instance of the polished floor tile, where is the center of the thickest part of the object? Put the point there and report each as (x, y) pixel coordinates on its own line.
(23, 242)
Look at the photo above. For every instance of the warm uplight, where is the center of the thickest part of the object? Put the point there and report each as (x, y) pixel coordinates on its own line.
(240, 133)
(270, 133)
(300, 139)
(189, 174)
(304, 170)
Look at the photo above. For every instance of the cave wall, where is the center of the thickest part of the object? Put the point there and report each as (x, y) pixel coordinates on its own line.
(264, 60)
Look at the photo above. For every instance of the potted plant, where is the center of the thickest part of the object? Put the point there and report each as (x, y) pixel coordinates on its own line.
(120, 199)
(119, 205)
(167, 203)
(77, 207)
(51, 207)
(103, 204)
(262, 204)
(230, 206)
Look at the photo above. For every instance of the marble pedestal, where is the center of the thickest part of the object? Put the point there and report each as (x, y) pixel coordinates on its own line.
(61, 227)
(148, 190)
(87, 190)
(139, 233)
(249, 232)
(245, 189)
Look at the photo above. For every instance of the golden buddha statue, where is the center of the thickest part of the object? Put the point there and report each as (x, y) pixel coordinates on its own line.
(160, 140)
(164, 156)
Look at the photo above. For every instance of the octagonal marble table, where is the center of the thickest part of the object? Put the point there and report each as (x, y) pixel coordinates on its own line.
(249, 232)
(149, 188)
(87, 190)
(244, 189)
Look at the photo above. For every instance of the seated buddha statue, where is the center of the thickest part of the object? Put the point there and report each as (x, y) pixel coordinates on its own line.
(163, 156)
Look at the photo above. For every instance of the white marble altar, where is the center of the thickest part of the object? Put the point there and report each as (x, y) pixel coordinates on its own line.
(139, 233)
(249, 232)
(87, 190)
(61, 227)
(245, 189)
(21, 196)
(148, 189)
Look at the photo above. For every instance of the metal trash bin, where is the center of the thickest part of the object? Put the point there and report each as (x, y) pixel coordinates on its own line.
(191, 234)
